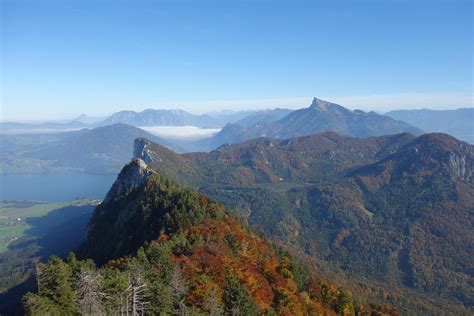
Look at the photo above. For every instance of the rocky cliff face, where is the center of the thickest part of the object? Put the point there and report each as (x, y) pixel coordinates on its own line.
(140, 206)
(140, 150)
(131, 177)
(119, 208)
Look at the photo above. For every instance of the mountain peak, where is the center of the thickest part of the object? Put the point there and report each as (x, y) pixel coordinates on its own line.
(322, 105)
(318, 103)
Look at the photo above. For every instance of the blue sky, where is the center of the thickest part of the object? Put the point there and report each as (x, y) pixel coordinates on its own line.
(63, 58)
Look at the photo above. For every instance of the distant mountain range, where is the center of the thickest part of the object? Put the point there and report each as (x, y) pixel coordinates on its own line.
(153, 117)
(239, 126)
(29, 148)
(459, 122)
(150, 117)
(321, 116)
(390, 211)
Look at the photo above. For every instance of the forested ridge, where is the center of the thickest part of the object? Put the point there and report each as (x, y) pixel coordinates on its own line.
(166, 249)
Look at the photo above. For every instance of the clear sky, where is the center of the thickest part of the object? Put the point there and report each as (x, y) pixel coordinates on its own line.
(63, 58)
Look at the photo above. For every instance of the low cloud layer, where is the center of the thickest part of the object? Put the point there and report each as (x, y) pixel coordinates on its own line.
(180, 132)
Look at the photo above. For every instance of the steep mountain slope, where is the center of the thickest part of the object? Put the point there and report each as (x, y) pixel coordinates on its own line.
(394, 210)
(459, 122)
(432, 181)
(321, 116)
(153, 117)
(102, 149)
(190, 257)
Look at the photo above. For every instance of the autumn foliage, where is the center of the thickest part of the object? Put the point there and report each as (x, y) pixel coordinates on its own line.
(200, 260)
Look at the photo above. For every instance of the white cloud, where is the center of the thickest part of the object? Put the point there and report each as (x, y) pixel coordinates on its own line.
(180, 132)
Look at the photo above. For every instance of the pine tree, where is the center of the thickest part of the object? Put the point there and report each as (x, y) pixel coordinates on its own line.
(55, 293)
(237, 300)
(345, 305)
(213, 305)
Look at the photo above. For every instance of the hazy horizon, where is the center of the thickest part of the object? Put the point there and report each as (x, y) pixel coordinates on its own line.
(365, 103)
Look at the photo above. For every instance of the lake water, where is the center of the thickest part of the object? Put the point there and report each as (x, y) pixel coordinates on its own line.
(54, 187)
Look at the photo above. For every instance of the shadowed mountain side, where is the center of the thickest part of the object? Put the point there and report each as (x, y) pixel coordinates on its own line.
(57, 233)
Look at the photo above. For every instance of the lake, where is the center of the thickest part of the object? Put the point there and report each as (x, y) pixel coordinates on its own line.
(54, 187)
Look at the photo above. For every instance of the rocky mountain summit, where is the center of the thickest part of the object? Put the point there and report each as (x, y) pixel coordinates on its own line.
(131, 177)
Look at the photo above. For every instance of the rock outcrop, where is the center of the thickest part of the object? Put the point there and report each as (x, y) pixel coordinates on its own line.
(132, 176)
(140, 150)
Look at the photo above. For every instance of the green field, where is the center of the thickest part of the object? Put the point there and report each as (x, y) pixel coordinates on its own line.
(14, 217)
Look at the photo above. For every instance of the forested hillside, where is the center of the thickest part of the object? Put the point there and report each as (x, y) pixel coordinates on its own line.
(391, 211)
(170, 250)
